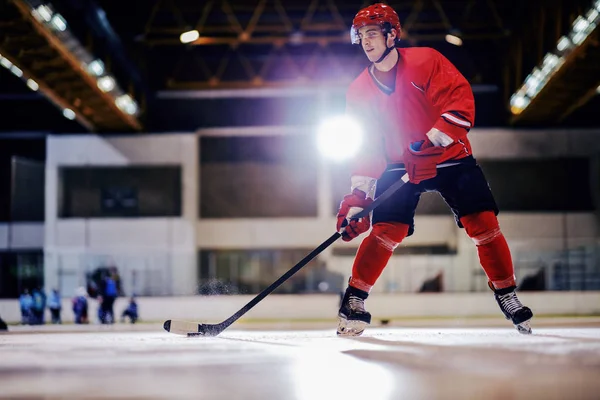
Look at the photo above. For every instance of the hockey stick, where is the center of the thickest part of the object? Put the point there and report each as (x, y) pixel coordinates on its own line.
(196, 329)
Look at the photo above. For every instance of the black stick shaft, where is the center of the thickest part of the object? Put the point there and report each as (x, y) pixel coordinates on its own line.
(384, 196)
(279, 281)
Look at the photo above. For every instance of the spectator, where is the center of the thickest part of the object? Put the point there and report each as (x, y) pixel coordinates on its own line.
(26, 303)
(3, 326)
(114, 272)
(39, 306)
(55, 306)
(131, 311)
(101, 311)
(80, 306)
(109, 294)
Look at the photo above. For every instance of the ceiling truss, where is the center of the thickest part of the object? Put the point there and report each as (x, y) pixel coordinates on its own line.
(281, 43)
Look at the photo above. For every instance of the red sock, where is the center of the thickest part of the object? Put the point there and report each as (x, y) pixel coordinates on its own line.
(494, 254)
(374, 253)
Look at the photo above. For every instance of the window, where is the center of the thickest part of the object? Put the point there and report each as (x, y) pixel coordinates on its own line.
(20, 271)
(251, 271)
(27, 190)
(269, 176)
(108, 192)
(541, 185)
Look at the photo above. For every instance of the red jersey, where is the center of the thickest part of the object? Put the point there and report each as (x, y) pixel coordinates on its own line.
(429, 92)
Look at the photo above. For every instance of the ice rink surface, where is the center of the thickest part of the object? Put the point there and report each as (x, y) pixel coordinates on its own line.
(561, 362)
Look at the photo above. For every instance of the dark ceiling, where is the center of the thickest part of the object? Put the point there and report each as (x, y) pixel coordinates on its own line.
(257, 62)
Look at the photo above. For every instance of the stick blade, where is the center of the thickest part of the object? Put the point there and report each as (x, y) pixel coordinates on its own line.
(179, 327)
(207, 330)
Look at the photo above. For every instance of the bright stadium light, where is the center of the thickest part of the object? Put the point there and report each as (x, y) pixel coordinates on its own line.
(189, 36)
(33, 85)
(453, 39)
(59, 22)
(564, 44)
(96, 67)
(106, 83)
(127, 104)
(69, 114)
(339, 137)
(16, 71)
(42, 13)
(5, 63)
(518, 103)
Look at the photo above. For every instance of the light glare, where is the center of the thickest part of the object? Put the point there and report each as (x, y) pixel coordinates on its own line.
(31, 84)
(532, 82)
(69, 114)
(551, 63)
(5, 63)
(580, 24)
(339, 137)
(106, 84)
(96, 67)
(579, 37)
(42, 13)
(59, 22)
(563, 44)
(455, 40)
(16, 70)
(126, 104)
(518, 103)
(189, 36)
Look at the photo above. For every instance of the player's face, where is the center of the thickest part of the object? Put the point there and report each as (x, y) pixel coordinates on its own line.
(372, 41)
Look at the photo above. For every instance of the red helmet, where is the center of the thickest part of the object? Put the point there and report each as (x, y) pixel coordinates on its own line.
(376, 14)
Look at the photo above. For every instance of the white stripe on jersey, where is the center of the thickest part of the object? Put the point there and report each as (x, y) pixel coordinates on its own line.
(439, 138)
(456, 120)
(443, 165)
(419, 88)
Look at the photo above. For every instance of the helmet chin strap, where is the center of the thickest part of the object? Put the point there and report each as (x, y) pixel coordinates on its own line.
(385, 53)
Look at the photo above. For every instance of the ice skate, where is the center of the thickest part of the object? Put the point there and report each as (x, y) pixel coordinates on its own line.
(352, 317)
(513, 309)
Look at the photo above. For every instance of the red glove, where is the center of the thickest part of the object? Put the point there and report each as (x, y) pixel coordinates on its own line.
(353, 203)
(421, 160)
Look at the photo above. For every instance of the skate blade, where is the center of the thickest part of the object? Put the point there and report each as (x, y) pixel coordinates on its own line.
(524, 327)
(350, 327)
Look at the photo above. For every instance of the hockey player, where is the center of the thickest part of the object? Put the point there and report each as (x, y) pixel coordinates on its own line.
(418, 109)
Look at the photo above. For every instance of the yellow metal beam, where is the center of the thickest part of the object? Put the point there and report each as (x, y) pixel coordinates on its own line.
(58, 100)
(573, 85)
(75, 64)
(61, 75)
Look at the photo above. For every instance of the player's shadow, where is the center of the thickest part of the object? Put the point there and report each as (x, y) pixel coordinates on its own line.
(570, 338)
(413, 354)
(470, 357)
